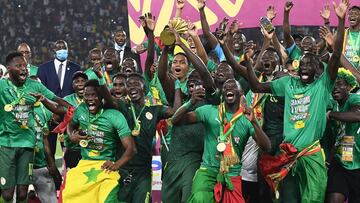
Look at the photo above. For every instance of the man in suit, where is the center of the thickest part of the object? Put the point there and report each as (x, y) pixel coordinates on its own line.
(123, 50)
(56, 75)
(26, 51)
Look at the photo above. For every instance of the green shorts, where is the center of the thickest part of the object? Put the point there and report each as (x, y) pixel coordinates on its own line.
(16, 166)
(135, 185)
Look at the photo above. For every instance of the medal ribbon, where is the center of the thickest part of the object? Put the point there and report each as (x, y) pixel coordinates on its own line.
(18, 95)
(38, 120)
(78, 100)
(107, 76)
(136, 118)
(227, 127)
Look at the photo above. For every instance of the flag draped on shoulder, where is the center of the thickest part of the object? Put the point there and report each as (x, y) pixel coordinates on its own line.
(87, 182)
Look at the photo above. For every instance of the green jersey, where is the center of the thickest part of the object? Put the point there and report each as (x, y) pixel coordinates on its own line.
(211, 65)
(348, 142)
(17, 126)
(209, 116)
(295, 52)
(106, 128)
(305, 108)
(32, 70)
(148, 116)
(352, 47)
(74, 101)
(156, 93)
(42, 117)
(91, 74)
(187, 141)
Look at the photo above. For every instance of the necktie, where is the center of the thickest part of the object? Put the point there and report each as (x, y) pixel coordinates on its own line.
(120, 58)
(59, 73)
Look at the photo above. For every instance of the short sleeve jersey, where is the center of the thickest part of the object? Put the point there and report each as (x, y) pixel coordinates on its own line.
(209, 116)
(351, 129)
(106, 132)
(305, 108)
(17, 125)
(44, 116)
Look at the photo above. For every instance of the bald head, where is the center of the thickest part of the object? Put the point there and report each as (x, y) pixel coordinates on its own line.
(25, 50)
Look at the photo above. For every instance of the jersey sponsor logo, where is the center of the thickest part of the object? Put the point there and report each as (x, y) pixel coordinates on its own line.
(237, 140)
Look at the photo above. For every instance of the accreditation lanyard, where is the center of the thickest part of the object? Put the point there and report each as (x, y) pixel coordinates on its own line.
(136, 118)
(227, 127)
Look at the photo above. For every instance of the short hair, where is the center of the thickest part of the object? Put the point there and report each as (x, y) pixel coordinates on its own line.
(134, 61)
(95, 50)
(236, 82)
(136, 75)
(119, 75)
(183, 54)
(11, 56)
(272, 49)
(354, 7)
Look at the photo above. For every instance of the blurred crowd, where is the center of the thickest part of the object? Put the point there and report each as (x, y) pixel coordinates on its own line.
(83, 24)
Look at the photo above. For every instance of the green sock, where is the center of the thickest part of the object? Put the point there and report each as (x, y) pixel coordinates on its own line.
(4, 201)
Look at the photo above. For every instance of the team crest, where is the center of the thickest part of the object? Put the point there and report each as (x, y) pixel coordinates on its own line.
(237, 140)
(148, 115)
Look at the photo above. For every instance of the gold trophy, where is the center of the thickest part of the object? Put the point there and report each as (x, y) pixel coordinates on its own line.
(179, 25)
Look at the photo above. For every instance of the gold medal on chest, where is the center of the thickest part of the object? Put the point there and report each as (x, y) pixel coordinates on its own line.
(221, 147)
(8, 107)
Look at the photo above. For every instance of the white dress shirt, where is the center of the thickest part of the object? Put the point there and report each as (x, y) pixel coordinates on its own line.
(121, 50)
(57, 65)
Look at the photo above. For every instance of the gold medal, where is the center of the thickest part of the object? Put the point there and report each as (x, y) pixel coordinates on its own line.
(24, 126)
(36, 104)
(45, 130)
(296, 64)
(135, 132)
(22, 101)
(221, 147)
(83, 143)
(37, 149)
(355, 58)
(8, 107)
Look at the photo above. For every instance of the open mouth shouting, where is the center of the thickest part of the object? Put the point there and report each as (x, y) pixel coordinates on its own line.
(92, 106)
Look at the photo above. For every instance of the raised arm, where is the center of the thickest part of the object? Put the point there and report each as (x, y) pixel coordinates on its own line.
(166, 82)
(267, 40)
(271, 15)
(205, 25)
(209, 83)
(238, 68)
(179, 8)
(255, 85)
(148, 23)
(182, 115)
(289, 41)
(325, 14)
(334, 61)
(200, 50)
(177, 101)
(262, 140)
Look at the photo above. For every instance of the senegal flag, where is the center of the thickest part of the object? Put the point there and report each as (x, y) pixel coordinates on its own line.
(87, 182)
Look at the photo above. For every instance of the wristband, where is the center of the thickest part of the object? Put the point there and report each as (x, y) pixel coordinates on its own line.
(177, 84)
(102, 81)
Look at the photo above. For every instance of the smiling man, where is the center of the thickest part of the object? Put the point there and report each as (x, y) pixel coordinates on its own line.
(135, 182)
(306, 100)
(344, 170)
(351, 47)
(17, 138)
(99, 131)
(226, 133)
(72, 154)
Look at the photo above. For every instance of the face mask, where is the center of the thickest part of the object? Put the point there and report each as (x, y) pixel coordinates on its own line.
(62, 54)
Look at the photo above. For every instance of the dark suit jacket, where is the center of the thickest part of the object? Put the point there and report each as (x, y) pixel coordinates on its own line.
(47, 74)
(129, 54)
